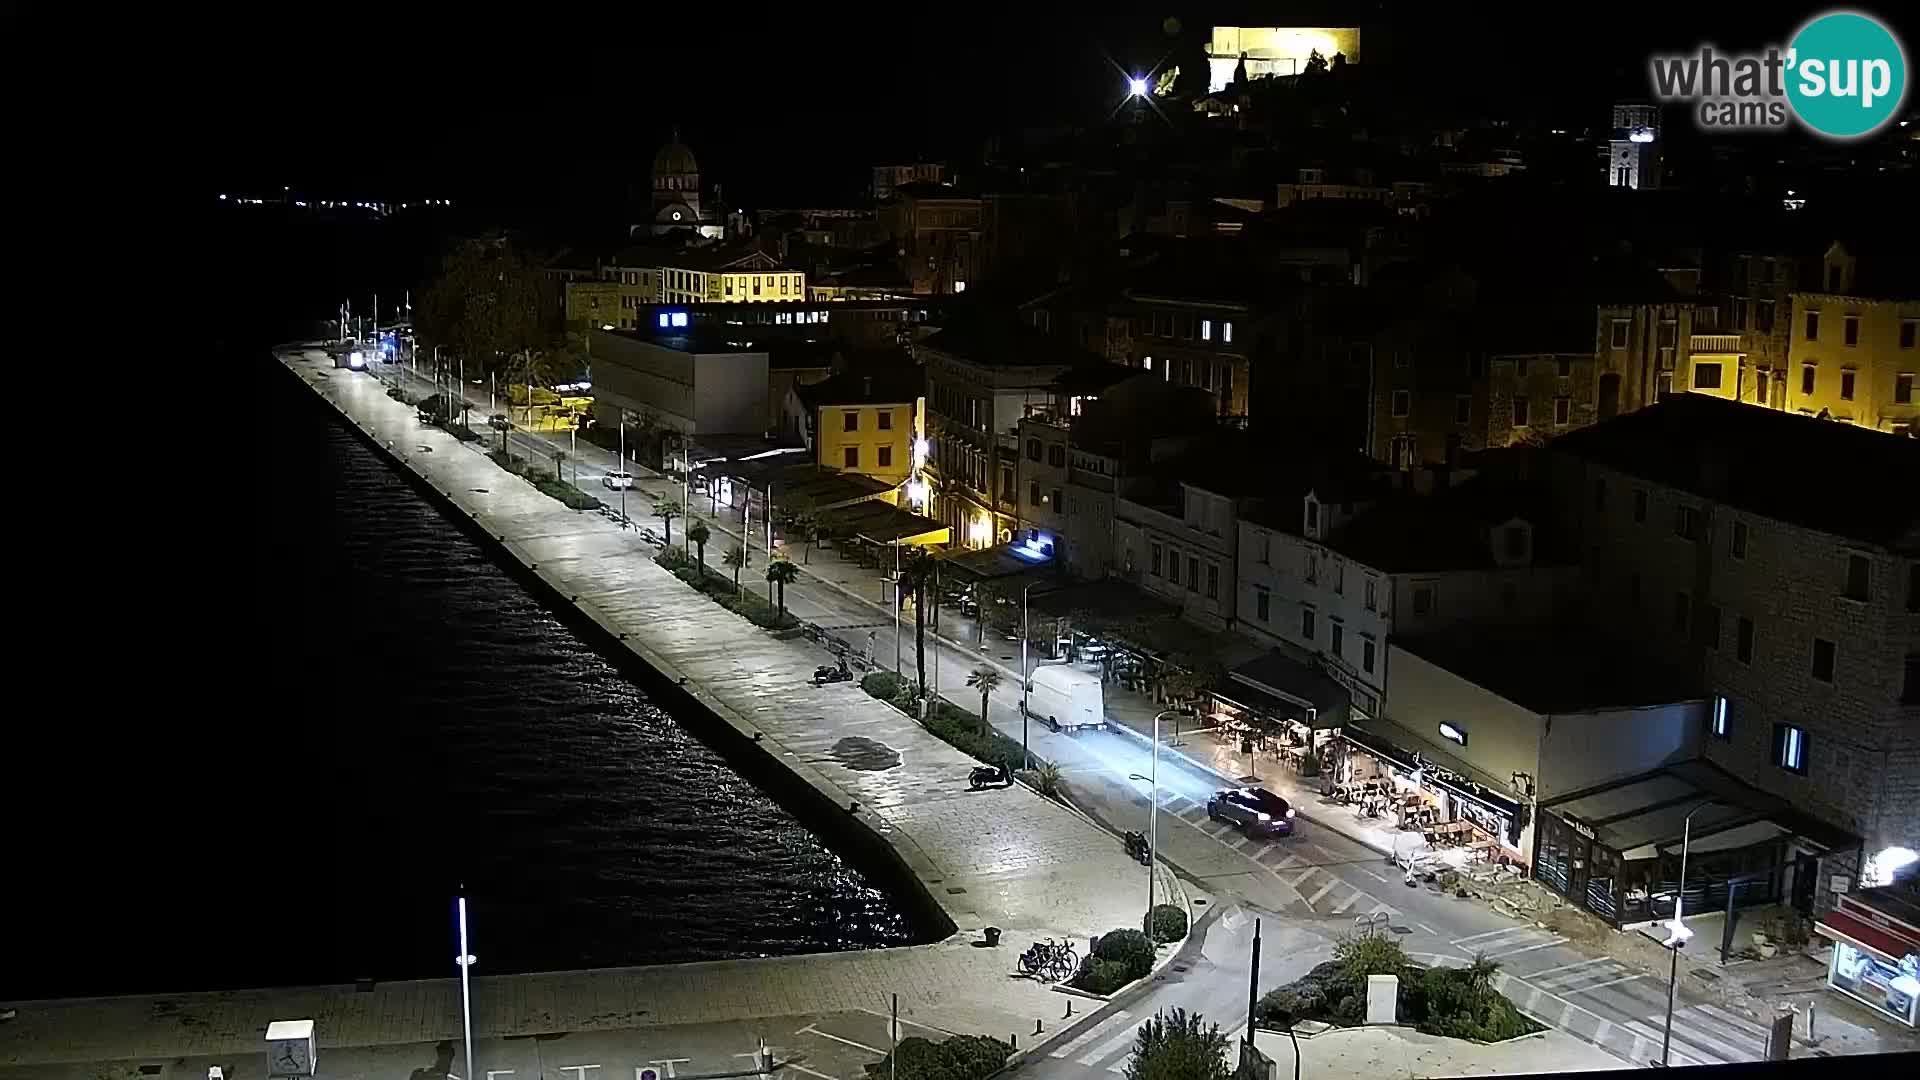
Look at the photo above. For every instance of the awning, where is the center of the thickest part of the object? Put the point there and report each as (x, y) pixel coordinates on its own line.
(1840, 926)
(1754, 832)
(1294, 684)
(998, 562)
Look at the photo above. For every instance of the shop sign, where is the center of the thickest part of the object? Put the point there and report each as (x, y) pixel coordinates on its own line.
(1839, 884)
(1453, 733)
(1580, 827)
(1485, 818)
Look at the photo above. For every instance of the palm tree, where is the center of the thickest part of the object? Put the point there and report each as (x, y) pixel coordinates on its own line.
(917, 570)
(666, 510)
(986, 680)
(735, 557)
(530, 366)
(779, 572)
(700, 534)
(1481, 971)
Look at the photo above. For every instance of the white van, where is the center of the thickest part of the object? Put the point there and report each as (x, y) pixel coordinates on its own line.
(1066, 698)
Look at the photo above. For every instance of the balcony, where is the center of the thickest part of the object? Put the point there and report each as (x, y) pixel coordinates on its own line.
(1713, 343)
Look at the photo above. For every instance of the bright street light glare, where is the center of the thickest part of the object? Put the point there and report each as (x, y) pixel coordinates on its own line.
(1137, 87)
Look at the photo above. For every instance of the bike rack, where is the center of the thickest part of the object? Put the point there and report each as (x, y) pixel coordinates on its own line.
(1370, 925)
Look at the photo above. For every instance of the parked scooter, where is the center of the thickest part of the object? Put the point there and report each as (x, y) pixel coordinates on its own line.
(989, 775)
(825, 673)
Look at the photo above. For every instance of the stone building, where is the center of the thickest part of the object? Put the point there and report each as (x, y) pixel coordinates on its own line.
(1781, 556)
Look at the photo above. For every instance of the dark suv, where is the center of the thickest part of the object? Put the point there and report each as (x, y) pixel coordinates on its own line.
(1257, 811)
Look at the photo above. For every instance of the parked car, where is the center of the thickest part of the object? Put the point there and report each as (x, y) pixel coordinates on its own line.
(618, 480)
(1257, 811)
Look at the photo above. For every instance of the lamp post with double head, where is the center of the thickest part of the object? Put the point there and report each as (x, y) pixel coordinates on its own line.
(1677, 932)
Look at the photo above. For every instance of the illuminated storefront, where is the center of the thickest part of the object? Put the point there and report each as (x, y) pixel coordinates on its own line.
(1876, 950)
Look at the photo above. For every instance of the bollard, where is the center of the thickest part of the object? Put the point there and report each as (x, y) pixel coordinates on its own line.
(1036, 1027)
(1069, 1009)
(1812, 1039)
(1013, 1040)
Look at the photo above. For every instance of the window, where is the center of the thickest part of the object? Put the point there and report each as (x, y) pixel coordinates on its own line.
(1339, 640)
(1737, 546)
(1846, 386)
(1262, 604)
(1206, 329)
(1562, 411)
(1033, 493)
(1059, 501)
(1402, 402)
(1743, 640)
(1516, 541)
(1033, 449)
(1306, 624)
(1422, 599)
(1619, 332)
(1563, 367)
(1519, 410)
(1717, 725)
(1710, 626)
(1903, 387)
(1790, 748)
(851, 420)
(1520, 366)
(1806, 379)
(1226, 332)
(1813, 326)
(1057, 456)
(1850, 330)
(850, 456)
(886, 419)
(1366, 655)
(1823, 651)
(1858, 570)
(1462, 409)
(1369, 592)
(1313, 515)
(1599, 495)
(1706, 376)
(1682, 612)
(1663, 386)
(1153, 564)
(885, 457)
(1640, 506)
(1266, 549)
(1312, 575)
(1193, 573)
(1213, 582)
(1686, 522)
(1401, 357)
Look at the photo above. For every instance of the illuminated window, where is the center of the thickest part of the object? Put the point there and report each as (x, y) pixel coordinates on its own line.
(665, 320)
(1226, 334)
(1790, 748)
(1206, 329)
(1717, 724)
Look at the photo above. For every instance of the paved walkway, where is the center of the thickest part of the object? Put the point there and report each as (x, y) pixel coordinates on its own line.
(1004, 858)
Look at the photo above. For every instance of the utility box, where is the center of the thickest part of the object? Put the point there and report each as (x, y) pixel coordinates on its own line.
(1780, 1033)
(1383, 999)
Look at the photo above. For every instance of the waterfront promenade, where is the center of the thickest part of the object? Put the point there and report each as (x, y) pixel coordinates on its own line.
(1005, 858)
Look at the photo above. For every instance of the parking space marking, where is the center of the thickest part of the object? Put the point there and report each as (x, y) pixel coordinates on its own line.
(1090, 1034)
(1531, 975)
(811, 1030)
(910, 1023)
(796, 1067)
(1324, 890)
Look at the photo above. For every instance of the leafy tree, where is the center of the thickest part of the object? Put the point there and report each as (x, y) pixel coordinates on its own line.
(484, 303)
(986, 679)
(699, 534)
(666, 510)
(1182, 684)
(736, 557)
(1338, 64)
(917, 573)
(1178, 1045)
(1168, 923)
(1361, 955)
(780, 571)
(534, 366)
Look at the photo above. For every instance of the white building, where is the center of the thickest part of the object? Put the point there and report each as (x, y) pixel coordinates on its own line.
(1348, 569)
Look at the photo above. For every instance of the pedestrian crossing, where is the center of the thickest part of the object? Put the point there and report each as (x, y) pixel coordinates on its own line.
(1293, 860)
(1513, 941)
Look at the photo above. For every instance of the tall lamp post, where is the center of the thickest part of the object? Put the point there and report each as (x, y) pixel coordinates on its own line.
(1153, 814)
(1677, 932)
(466, 961)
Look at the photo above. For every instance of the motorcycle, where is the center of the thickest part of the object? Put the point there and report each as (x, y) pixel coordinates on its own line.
(826, 673)
(1138, 849)
(986, 775)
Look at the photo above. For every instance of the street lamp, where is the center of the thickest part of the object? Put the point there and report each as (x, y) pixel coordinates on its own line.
(1153, 814)
(466, 961)
(1677, 932)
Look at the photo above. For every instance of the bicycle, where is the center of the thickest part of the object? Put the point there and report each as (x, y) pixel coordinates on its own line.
(1049, 960)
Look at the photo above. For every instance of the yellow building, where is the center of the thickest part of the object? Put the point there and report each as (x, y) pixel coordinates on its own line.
(1275, 50)
(866, 423)
(600, 304)
(729, 276)
(1855, 359)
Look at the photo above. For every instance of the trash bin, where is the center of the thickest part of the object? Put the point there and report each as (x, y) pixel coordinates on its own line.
(993, 935)
(1246, 746)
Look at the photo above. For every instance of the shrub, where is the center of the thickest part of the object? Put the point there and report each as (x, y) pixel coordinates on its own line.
(1167, 923)
(948, 722)
(717, 588)
(884, 685)
(1178, 1045)
(1129, 947)
(1361, 955)
(960, 1057)
(1046, 779)
(1457, 1006)
(1103, 977)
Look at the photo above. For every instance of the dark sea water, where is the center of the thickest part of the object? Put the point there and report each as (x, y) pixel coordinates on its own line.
(368, 713)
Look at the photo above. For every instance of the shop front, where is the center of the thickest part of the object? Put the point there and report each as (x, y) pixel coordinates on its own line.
(1876, 951)
(1277, 706)
(1616, 850)
(1413, 791)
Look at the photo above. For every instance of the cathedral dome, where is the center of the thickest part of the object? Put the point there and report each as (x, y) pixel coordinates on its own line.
(674, 159)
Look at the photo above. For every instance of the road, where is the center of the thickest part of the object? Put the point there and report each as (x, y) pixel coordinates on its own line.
(1318, 877)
